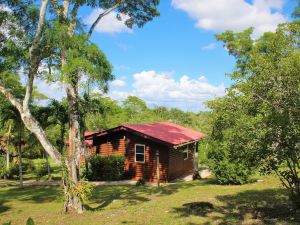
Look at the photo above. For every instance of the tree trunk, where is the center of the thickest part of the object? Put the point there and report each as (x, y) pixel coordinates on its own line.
(75, 148)
(7, 158)
(20, 158)
(7, 147)
(48, 167)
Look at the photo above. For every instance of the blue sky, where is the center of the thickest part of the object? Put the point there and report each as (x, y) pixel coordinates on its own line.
(174, 60)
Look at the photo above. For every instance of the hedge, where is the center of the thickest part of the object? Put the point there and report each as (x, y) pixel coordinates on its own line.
(105, 168)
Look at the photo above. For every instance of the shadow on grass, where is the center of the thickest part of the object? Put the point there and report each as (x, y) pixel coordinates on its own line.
(102, 197)
(269, 206)
(3, 208)
(39, 194)
(132, 195)
(105, 195)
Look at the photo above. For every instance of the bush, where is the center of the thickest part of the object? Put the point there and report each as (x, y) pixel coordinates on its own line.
(231, 173)
(41, 170)
(140, 182)
(3, 170)
(27, 165)
(106, 168)
(13, 170)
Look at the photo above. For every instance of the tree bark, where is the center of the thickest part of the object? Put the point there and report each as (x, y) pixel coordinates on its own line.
(101, 15)
(32, 125)
(75, 146)
(72, 176)
(48, 167)
(20, 156)
(7, 147)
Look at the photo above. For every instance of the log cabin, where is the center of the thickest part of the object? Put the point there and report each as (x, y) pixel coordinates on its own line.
(160, 150)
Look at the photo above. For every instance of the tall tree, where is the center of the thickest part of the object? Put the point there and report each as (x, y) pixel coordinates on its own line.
(12, 116)
(257, 123)
(31, 38)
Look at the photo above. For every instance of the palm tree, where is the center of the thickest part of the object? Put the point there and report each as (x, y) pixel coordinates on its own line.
(8, 135)
(10, 115)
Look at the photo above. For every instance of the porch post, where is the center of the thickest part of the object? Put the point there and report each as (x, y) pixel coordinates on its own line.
(196, 168)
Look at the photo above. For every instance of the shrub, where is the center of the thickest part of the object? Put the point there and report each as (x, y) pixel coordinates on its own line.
(107, 168)
(41, 170)
(28, 165)
(13, 170)
(11, 173)
(140, 182)
(231, 173)
(3, 170)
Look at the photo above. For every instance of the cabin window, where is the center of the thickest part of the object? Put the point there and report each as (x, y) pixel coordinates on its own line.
(186, 154)
(140, 153)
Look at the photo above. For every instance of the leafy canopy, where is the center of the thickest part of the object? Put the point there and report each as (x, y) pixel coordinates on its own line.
(257, 123)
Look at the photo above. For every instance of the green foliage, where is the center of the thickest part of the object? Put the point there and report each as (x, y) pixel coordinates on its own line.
(140, 182)
(29, 221)
(83, 190)
(3, 170)
(28, 165)
(106, 113)
(8, 223)
(41, 170)
(257, 123)
(231, 173)
(13, 171)
(105, 167)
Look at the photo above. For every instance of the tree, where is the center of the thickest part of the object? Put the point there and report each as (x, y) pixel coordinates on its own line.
(31, 39)
(257, 123)
(11, 116)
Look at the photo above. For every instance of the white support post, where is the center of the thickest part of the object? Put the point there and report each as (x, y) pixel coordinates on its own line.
(196, 160)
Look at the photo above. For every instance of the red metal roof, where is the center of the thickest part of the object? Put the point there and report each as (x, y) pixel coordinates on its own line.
(167, 132)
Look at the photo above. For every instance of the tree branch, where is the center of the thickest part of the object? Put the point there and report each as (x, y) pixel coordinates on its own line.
(34, 55)
(56, 7)
(12, 99)
(65, 8)
(73, 17)
(101, 15)
(38, 34)
(32, 125)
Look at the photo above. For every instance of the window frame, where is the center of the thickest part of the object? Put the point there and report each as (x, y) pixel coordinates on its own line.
(135, 153)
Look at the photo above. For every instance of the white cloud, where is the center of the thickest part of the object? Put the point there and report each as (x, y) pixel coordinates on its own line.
(51, 90)
(236, 15)
(210, 46)
(162, 89)
(109, 23)
(118, 83)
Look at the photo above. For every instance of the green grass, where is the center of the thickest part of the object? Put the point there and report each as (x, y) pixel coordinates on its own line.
(197, 202)
(30, 176)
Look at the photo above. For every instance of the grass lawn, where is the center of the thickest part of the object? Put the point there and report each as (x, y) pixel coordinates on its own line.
(197, 202)
(30, 176)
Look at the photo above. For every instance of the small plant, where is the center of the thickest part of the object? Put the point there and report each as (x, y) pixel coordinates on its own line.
(28, 222)
(82, 190)
(140, 182)
(8, 223)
